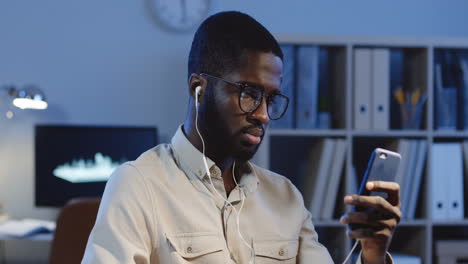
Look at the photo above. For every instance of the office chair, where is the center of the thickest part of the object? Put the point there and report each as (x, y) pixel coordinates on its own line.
(74, 224)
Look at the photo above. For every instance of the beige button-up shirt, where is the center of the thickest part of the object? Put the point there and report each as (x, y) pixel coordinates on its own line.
(161, 208)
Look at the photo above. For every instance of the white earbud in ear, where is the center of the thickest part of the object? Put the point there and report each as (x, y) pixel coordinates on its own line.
(197, 95)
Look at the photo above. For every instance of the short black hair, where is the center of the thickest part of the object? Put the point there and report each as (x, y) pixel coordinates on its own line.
(222, 39)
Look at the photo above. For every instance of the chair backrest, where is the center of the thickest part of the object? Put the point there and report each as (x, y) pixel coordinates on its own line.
(74, 224)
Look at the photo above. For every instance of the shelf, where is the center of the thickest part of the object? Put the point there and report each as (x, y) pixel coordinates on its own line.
(417, 222)
(336, 223)
(390, 133)
(412, 67)
(450, 222)
(357, 133)
(344, 133)
(308, 132)
(451, 134)
(386, 41)
(328, 223)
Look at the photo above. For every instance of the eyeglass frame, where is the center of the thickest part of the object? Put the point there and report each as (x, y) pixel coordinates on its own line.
(243, 86)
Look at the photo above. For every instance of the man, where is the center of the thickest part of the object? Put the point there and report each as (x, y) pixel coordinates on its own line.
(199, 199)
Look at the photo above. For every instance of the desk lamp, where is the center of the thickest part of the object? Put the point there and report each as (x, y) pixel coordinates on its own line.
(28, 97)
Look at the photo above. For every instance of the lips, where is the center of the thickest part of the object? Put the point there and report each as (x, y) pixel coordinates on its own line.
(254, 135)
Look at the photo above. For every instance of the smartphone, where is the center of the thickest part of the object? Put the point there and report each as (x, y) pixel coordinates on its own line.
(382, 166)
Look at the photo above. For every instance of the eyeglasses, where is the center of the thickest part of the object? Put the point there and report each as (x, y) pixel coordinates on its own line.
(250, 98)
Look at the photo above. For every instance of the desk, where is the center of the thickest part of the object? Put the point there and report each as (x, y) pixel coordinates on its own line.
(449, 251)
(45, 237)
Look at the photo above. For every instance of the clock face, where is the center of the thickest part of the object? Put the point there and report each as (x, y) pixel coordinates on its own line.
(181, 15)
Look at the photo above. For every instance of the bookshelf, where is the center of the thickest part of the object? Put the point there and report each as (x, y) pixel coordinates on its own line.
(416, 236)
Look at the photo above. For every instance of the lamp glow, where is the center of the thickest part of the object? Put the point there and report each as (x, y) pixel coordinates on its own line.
(26, 103)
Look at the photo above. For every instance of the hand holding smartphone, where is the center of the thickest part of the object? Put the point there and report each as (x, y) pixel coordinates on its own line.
(382, 166)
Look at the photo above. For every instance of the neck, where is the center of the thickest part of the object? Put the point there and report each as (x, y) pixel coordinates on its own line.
(212, 151)
(224, 162)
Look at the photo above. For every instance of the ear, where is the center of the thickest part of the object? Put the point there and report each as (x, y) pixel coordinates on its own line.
(194, 82)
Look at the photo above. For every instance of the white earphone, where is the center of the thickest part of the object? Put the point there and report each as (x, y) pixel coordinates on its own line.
(197, 92)
(252, 250)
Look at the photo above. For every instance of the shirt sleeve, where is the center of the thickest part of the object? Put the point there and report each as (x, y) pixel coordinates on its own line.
(310, 250)
(124, 222)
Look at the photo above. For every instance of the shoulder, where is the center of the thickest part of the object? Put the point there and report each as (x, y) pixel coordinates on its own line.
(152, 160)
(150, 163)
(153, 157)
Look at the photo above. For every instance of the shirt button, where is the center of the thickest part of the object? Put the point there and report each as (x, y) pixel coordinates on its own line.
(281, 252)
(213, 171)
(189, 249)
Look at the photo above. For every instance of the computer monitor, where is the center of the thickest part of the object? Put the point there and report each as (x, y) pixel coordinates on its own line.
(76, 161)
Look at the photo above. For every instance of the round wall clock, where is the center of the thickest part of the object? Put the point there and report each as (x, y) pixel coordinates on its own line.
(180, 15)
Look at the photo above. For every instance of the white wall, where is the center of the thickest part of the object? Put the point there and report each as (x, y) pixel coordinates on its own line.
(359, 17)
(106, 62)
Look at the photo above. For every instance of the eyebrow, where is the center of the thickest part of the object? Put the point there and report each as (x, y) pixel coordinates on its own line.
(274, 92)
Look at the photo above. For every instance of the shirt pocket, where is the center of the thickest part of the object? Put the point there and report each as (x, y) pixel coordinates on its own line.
(276, 251)
(200, 247)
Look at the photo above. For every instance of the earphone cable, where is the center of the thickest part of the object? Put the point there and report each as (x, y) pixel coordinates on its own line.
(211, 182)
(351, 251)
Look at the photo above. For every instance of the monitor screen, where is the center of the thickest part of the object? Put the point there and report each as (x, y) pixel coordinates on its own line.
(76, 161)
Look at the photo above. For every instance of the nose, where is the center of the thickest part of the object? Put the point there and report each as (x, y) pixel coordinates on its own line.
(261, 113)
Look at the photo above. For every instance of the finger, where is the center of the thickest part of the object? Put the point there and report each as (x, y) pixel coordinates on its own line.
(391, 188)
(366, 233)
(376, 202)
(369, 219)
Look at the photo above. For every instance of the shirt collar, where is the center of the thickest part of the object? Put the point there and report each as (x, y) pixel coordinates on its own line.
(193, 164)
(189, 155)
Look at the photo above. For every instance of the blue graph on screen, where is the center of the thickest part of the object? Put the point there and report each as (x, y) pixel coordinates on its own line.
(81, 170)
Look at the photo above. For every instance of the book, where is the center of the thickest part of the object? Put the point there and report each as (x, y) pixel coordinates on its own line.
(353, 185)
(307, 168)
(406, 259)
(454, 175)
(465, 164)
(404, 150)
(307, 58)
(380, 112)
(409, 176)
(396, 83)
(318, 169)
(333, 182)
(452, 84)
(445, 95)
(287, 87)
(441, 164)
(416, 180)
(463, 60)
(324, 91)
(362, 88)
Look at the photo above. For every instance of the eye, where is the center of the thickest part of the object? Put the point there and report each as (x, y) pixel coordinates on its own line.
(273, 98)
(253, 93)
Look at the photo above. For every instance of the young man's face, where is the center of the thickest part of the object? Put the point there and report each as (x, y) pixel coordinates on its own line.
(235, 132)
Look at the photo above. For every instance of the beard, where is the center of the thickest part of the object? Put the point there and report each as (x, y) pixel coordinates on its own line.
(222, 141)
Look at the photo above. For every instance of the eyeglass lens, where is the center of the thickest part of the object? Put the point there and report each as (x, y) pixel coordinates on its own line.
(251, 98)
